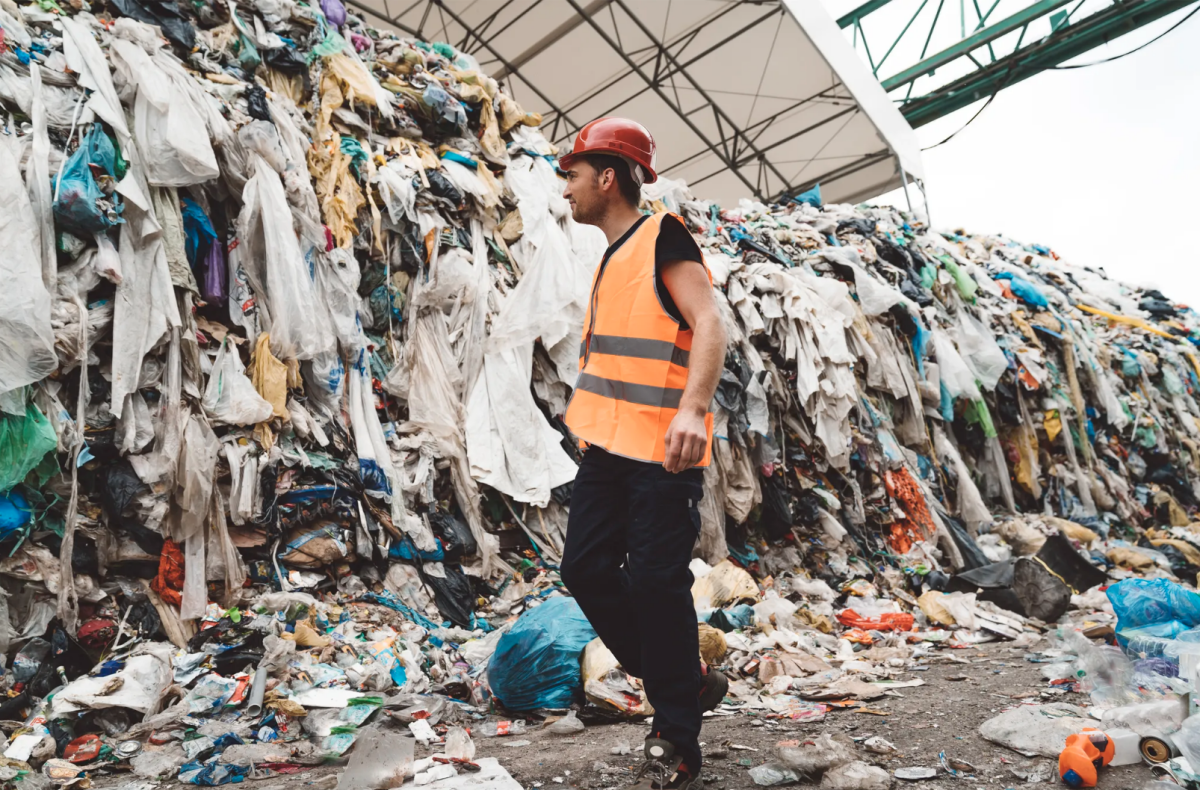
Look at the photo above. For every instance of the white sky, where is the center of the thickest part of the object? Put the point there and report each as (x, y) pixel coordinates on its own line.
(1100, 164)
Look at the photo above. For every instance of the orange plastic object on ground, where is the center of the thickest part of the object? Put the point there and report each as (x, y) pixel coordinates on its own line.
(888, 621)
(916, 524)
(1086, 752)
(169, 581)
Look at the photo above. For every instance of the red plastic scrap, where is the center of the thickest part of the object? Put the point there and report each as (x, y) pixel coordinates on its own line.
(887, 621)
(169, 581)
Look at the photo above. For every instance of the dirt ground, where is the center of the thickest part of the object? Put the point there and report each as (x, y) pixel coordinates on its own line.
(962, 689)
(941, 716)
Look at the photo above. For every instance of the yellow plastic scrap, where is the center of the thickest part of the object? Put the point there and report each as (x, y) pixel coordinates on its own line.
(1129, 558)
(1072, 530)
(270, 376)
(1139, 323)
(338, 191)
(817, 621)
(512, 115)
(1189, 551)
(712, 644)
(726, 583)
(474, 90)
(1052, 423)
(357, 84)
(1018, 318)
(931, 604)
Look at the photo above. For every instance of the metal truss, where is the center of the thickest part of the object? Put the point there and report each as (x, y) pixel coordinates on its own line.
(978, 56)
(660, 66)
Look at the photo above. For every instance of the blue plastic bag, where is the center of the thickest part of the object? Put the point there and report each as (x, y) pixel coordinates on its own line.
(536, 664)
(1152, 610)
(198, 230)
(812, 197)
(15, 513)
(1023, 289)
(79, 204)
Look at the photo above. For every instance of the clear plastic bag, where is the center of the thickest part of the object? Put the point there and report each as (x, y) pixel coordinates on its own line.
(27, 352)
(230, 397)
(567, 725)
(980, 350)
(459, 745)
(774, 773)
(856, 776)
(299, 321)
(956, 377)
(811, 758)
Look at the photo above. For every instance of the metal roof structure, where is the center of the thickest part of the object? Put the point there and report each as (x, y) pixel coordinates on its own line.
(760, 98)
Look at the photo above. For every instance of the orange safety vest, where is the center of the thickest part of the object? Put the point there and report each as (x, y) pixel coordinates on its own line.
(633, 361)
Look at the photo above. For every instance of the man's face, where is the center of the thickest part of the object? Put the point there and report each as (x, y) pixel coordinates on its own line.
(584, 190)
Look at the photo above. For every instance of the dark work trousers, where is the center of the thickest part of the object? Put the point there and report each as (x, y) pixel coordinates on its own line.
(630, 535)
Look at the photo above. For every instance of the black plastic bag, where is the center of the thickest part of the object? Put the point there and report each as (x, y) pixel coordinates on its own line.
(973, 556)
(121, 486)
(453, 595)
(165, 14)
(457, 540)
(284, 59)
(256, 97)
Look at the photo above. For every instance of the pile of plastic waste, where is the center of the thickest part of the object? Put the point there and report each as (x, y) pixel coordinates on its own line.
(289, 324)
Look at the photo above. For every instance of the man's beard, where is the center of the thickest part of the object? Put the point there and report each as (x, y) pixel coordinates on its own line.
(585, 216)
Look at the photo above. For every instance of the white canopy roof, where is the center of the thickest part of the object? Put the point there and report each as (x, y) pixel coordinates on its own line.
(761, 98)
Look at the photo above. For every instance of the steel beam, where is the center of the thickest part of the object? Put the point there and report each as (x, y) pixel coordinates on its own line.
(720, 150)
(1067, 42)
(554, 35)
(972, 42)
(869, 7)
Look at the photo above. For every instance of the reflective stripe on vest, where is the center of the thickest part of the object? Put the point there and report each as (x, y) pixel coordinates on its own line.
(633, 357)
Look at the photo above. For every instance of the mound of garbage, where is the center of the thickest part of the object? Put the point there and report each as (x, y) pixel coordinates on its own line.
(289, 323)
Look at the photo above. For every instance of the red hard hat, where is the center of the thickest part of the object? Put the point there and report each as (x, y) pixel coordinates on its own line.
(619, 137)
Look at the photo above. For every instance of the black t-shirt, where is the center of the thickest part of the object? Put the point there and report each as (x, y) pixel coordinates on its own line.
(674, 243)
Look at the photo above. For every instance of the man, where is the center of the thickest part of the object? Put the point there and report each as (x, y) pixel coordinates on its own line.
(652, 353)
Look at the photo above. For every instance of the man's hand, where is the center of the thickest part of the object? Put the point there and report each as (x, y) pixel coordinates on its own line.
(686, 439)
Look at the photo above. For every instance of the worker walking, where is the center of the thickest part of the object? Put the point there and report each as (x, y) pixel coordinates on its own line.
(652, 353)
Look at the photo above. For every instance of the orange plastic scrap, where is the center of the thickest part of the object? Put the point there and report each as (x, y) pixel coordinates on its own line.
(886, 621)
(857, 635)
(169, 581)
(916, 524)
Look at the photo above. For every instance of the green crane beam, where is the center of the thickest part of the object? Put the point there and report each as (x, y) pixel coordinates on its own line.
(1055, 34)
(972, 42)
(1067, 42)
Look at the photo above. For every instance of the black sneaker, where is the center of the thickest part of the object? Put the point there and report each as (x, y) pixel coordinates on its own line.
(664, 770)
(713, 687)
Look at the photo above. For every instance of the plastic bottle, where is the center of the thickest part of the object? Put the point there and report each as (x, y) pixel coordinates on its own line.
(493, 729)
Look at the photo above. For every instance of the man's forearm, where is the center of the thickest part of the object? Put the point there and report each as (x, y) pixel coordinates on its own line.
(705, 363)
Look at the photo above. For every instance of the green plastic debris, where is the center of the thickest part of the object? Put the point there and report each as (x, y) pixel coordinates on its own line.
(333, 44)
(928, 276)
(966, 285)
(977, 413)
(24, 444)
(445, 50)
